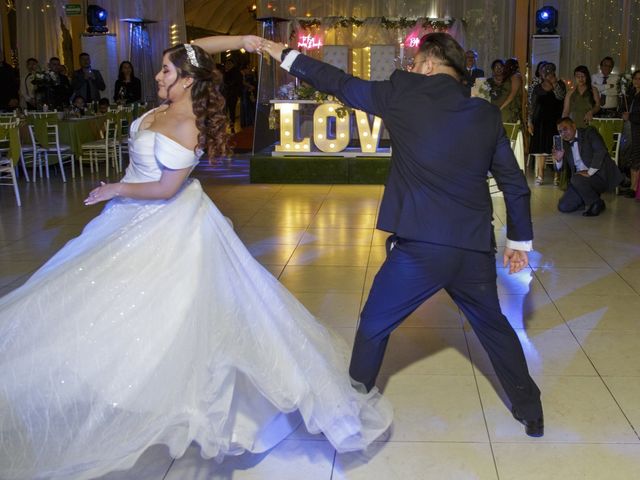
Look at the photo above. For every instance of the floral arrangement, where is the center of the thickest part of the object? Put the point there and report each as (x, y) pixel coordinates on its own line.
(624, 83)
(289, 91)
(388, 23)
(44, 79)
(482, 89)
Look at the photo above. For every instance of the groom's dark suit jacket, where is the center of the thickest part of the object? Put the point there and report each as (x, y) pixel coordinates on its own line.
(444, 143)
(594, 154)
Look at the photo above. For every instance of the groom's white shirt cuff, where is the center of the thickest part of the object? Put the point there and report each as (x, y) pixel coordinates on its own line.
(288, 59)
(524, 245)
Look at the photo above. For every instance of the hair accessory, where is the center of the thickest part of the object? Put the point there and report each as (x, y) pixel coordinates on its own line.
(191, 53)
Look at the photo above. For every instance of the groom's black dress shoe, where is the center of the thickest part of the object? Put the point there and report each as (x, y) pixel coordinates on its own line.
(595, 209)
(533, 428)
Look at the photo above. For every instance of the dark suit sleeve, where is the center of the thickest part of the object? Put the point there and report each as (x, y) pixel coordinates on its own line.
(76, 81)
(634, 114)
(136, 90)
(372, 97)
(513, 184)
(99, 80)
(598, 148)
(116, 89)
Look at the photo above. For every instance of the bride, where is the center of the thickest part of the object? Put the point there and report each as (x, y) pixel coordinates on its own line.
(156, 326)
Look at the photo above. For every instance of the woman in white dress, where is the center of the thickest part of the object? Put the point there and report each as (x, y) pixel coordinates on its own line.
(156, 326)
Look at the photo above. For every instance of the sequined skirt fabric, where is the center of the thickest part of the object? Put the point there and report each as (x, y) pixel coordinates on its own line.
(156, 326)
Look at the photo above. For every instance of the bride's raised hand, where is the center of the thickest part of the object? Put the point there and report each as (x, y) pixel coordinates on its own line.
(273, 48)
(251, 43)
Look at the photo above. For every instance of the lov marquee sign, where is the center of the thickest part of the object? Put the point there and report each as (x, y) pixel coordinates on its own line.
(323, 138)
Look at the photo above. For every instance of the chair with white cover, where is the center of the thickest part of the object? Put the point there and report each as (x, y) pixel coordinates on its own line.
(9, 159)
(10, 120)
(104, 149)
(52, 146)
(40, 114)
(615, 149)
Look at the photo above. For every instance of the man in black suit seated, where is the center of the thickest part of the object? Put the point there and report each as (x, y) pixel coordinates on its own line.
(437, 207)
(593, 171)
(471, 69)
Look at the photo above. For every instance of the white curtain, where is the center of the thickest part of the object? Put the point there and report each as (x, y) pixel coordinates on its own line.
(38, 26)
(589, 31)
(41, 25)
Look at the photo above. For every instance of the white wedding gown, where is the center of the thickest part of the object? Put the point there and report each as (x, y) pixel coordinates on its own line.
(156, 326)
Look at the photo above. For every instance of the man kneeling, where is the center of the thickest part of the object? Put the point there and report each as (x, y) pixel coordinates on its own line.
(592, 170)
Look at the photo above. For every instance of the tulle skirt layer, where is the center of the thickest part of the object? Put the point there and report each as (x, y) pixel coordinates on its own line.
(156, 326)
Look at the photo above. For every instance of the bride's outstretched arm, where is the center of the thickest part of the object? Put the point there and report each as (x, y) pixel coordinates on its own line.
(221, 43)
(168, 185)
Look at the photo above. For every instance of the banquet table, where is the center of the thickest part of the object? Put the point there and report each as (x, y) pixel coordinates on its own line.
(72, 131)
(76, 131)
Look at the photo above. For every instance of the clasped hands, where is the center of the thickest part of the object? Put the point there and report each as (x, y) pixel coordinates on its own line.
(253, 43)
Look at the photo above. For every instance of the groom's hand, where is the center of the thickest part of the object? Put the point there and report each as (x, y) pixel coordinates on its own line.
(273, 48)
(516, 259)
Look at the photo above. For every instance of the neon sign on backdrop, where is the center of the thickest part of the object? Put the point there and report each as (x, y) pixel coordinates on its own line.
(309, 42)
(412, 42)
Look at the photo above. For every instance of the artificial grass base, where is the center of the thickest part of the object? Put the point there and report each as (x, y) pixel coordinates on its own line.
(312, 169)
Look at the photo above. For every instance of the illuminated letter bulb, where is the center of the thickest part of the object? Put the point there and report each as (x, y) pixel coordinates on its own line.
(286, 122)
(364, 131)
(321, 129)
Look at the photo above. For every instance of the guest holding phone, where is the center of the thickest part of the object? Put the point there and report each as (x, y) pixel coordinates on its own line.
(593, 171)
(87, 81)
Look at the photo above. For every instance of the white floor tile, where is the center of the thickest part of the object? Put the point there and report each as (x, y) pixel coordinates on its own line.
(284, 462)
(419, 461)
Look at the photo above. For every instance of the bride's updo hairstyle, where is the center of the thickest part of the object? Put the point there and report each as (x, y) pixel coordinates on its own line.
(208, 104)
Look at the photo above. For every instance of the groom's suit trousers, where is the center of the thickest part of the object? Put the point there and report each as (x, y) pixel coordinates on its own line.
(414, 271)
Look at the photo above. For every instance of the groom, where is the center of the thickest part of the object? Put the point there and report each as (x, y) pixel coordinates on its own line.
(437, 207)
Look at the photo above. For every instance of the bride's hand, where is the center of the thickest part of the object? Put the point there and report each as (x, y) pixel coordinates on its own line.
(273, 48)
(106, 191)
(251, 43)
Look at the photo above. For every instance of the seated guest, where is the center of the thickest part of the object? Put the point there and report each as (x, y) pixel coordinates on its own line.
(471, 71)
(61, 91)
(593, 171)
(79, 105)
(583, 102)
(103, 106)
(128, 88)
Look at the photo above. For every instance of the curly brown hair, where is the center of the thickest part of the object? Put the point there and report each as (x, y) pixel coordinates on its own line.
(206, 99)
